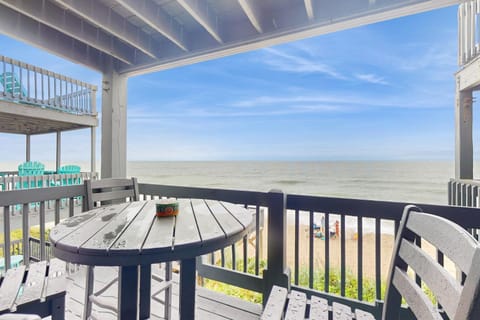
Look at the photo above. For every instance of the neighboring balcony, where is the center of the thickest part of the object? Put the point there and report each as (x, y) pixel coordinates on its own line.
(34, 100)
(468, 32)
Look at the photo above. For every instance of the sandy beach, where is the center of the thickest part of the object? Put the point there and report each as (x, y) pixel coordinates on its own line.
(351, 246)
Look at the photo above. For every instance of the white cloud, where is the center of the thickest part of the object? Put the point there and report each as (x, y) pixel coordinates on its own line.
(371, 78)
(282, 61)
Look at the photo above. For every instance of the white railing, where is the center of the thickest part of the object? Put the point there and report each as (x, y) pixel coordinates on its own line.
(468, 31)
(25, 83)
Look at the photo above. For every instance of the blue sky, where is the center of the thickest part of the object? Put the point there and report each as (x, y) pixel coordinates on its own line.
(380, 92)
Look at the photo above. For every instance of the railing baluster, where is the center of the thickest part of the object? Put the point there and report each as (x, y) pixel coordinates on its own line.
(6, 236)
(458, 199)
(378, 260)
(42, 231)
(360, 258)
(327, 253)
(234, 257)
(245, 253)
(42, 77)
(310, 253)
(57, 211)
(258, 237)
(71, 207)
(36, 84)
(28, 84)
(26, 234)
(342, 255)
(450, 193)
(297, 241)
(222, 257)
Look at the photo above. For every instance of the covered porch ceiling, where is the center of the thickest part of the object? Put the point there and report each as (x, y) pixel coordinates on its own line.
(142, 36)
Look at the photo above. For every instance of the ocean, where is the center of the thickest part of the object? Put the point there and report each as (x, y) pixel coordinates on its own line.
(405, 181)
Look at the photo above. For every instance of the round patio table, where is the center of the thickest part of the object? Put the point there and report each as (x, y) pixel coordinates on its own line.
(130, 236)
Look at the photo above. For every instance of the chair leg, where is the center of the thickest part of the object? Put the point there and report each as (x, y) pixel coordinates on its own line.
(145, 291)
(87, 309)
(58, 308)
(168, 292)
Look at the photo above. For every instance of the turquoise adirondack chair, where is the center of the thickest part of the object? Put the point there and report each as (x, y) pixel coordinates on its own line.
(70, 169)
(12, 85)
(30, 168)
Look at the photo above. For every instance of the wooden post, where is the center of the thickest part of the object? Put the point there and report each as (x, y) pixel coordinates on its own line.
(59, 151)
(463, 134)
(27, 147)
(93, 151)
(114, 125)
(277, 272)
(93, 132)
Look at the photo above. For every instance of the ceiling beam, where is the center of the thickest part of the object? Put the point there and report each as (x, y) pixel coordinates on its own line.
(309, 8)
(253, 13)
(467, 77)
(105, 18)
(53, 16)
(200, 14)
(20, 27)
(156, 18)
(304, 30)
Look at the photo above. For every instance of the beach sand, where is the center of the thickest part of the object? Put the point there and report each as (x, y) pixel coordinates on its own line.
(351, 246)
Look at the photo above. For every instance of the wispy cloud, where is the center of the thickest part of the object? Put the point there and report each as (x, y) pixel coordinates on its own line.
(371, 78)
(280, 60)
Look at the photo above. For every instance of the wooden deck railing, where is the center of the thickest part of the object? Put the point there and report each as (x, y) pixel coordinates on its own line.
(16, 248)
(40, 198)
(288, 230)
(468, 31)
(29, 84)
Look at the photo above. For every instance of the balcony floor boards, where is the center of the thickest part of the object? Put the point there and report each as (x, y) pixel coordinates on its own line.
(210, 305)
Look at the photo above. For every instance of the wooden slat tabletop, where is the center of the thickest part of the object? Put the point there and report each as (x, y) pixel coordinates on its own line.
(106, 235)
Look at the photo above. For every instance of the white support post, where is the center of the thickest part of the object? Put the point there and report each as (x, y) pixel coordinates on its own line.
(27, 147)
(93, 152)
(463, 134)
(93, 134)
(114, 125)
(59, 151)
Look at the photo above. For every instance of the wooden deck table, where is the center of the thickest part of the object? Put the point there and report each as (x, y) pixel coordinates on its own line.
(130, 236)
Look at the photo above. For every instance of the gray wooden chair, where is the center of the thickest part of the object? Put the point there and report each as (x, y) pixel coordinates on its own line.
(107, 191)
(38, 289)
(459, 301)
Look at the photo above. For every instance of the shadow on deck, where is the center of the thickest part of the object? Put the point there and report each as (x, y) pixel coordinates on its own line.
(210, 305)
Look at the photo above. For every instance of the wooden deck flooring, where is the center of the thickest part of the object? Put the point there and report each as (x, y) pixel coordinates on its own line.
(210, 305)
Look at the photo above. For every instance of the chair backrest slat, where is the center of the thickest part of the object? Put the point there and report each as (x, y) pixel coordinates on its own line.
(433, 274)
(459, 301)
(416, 299)
(446, 236)
(113, 195)
(109, 190)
